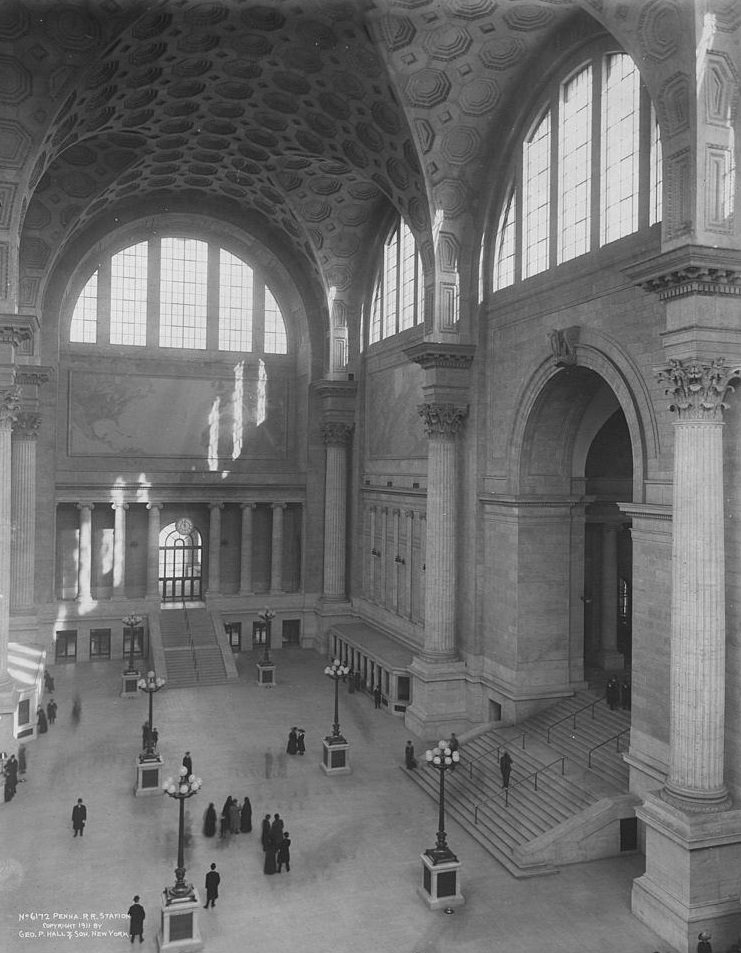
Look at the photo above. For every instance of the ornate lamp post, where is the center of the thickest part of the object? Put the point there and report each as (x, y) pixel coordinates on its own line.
(150, 684)
(131, 674)
(336, 749)
(179, 923)
(440, 865)
(266, 666)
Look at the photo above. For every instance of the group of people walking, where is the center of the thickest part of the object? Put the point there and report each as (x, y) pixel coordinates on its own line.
(235, 818)
(617, 694)
(296, 741)
(276, 845)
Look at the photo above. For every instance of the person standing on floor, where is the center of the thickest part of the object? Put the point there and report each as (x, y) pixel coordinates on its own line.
(265, 834)
(234, 816)
(276, 830)
(377, 696)
(188, 764)
(292, 746)
(612, 693)
(11, 771)
(76, 710)
(224, 819)
(245, 820)
(48, 681)
(301, 741)
(625, 695)
(703, 945)
(51, 711)
(22, 759)
(136, 920)
(409, 760)
(505, 766)
(284, 852)
(41, 722)
(212, 887)
(79, 818)
(209, 821)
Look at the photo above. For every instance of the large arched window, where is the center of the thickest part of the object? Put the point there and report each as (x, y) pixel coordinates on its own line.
(586, 173)
(397, 297)
(174, 292)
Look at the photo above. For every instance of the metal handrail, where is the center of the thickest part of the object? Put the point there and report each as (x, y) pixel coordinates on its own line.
(533, 775)
(572, 714)
(190, 642)
(499, 747)
(615, 738)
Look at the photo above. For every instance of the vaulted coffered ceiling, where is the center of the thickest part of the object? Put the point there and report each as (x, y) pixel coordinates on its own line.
(310, 117)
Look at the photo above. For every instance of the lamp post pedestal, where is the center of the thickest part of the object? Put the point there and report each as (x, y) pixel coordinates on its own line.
(129, 682)
(179, 932)
(266, 673)
(335, 755)
(441, 882)
(149, 769)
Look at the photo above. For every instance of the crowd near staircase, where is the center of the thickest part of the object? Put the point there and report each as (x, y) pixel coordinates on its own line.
(568, 789)
(192, 652)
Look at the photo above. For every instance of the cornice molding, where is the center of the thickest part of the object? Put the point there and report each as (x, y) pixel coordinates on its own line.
(690, 270)
(441, 354)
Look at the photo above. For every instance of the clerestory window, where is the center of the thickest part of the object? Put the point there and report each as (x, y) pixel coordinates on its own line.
(586, 173)
(396, 303)
(175, 292)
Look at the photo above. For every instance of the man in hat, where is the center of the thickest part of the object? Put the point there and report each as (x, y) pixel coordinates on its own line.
(212, 887)
(136, 920)
(703, 944)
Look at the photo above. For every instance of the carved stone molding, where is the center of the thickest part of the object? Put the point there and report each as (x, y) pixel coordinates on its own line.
(14, 334)
(698, 388)
(442, 420)
(563, 343)
(431, 354)
(9, 406)
(33, 375)
(26, 426)
(693, 270)
(337, 434)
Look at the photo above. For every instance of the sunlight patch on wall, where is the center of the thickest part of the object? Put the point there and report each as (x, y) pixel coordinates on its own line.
(238, 414)
(213, 435)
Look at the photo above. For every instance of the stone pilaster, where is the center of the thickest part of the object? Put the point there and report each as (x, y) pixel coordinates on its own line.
(119, 549)
(23, 507)
(9, 410)
(214, 548)
(276, 550)
(153, 550)
(85, 553)
(245, 564)
(609, 656)
(337, 437)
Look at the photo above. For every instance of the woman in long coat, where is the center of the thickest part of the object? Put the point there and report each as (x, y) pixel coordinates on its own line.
(225, 817)
(234, 816)
(41, 720)
(301, 742)
(292, 746)
(209, 821)
(245, 824)
(265, 836)
(269, 865)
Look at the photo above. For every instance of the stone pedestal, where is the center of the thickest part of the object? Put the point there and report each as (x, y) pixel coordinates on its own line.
(149, 773)
(178, 932)
(335, 756)
(441, 883)
(438, 698)
(129, 684)
(266, 674)
(691, 878)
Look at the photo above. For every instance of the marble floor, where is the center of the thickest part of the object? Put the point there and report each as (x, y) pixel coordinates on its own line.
(356, 838)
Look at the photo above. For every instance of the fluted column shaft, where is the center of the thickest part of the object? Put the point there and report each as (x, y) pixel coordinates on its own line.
(214, 547)
(85, 552)
(276, 551)
(609, 602)
(119, 549)
(245, 563)
(153, 550)
(372, 554)
(9, 402)
(697, 679)
(23, 508)
(337, 440)
(442, 423)
(409, 561)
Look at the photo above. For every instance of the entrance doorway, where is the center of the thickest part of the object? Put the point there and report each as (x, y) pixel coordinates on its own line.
(180, 559)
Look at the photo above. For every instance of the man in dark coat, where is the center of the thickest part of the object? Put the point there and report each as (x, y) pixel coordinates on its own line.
(505, 766)
(265, 835)
(79, 818)
(377, 696)
(276, 830)
(612, 693)
(41, 721)
(136, 920)
(301, 741)
(188, 763)
(51, 711)
(212, 887)
(209, 821)
(292, 746)
(409, 760)
(284, 852)
(245, 822)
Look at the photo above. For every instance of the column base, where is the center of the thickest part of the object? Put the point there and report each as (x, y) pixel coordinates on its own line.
(179, 931)
(691, 881)
(438, 698)
(148, 776)
(441, 883)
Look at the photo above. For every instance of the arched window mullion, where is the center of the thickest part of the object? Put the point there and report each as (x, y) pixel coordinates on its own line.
(644, 159)
(554, 224)
(596, 185)
(154, 274)
(104, 302)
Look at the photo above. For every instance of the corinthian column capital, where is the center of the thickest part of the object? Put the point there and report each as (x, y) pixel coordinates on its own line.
(26, 426)
(336, 434)
(442, 420)
(698, 388)
(10, 406)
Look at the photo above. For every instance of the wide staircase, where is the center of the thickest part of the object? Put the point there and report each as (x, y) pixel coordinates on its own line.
(192, 653)
(567, 794)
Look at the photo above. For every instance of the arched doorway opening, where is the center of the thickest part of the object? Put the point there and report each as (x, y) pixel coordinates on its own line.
(180, 561)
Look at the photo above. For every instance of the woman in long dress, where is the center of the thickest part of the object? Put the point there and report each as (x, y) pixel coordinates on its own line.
(234, 816)
(265, 836)
(209, 821)
(225, 817)
(292, 746)
(245, 824)
(269, 865)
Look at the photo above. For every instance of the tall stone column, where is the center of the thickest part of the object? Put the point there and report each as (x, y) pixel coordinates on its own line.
(276, 553)
(383, 559)
(610, 658)
(23, 508)
(698, 629)
(408, 574)
(442, 424)
(153, 550)
(9, 409)
(373, 554)
(245, 562)
(85, 553)
(214, 547)
(398, 561)
(337, 437)
(119, 549)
